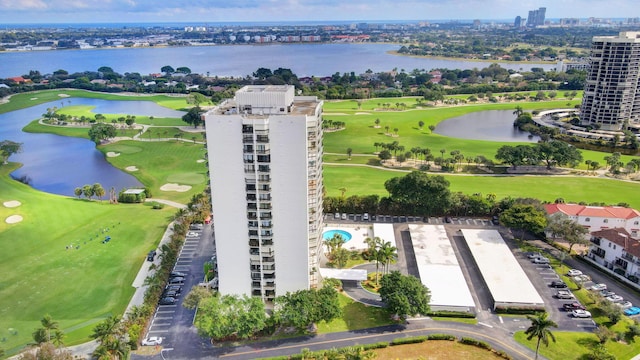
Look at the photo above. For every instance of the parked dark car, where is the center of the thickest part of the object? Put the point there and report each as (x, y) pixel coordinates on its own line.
(167, 301)
(170, 294)
(151, 255)
(573, 306)
(176, 280)
(176, 288)
(495, 220)
(447, 220)
(558, 284)
(177, 274)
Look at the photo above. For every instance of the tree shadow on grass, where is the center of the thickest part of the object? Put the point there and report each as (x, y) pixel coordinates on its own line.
(359, 316)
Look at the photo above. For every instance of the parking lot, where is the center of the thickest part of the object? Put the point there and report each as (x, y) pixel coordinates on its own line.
(168, 319)
(359, 218)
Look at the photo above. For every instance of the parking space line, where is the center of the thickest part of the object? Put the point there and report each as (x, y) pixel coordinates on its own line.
(158, 331)
(166, 306)
(166, 312)
(161, 324)
(164, 318)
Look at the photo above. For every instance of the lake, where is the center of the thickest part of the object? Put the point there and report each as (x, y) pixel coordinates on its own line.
(58, 164)
(236, 60)
(491, 125)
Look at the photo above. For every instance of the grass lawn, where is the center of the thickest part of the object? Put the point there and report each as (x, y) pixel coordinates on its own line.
(80, 286)
(356, 316)
(574, 345)
(160, 163)
(23, 100)
(87, 111)
(360, 133)
(366, 181)
(436, 350)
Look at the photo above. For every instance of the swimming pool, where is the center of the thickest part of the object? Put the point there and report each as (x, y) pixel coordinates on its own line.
(346, 236)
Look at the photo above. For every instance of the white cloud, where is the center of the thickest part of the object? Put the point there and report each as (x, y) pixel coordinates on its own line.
(301, 10)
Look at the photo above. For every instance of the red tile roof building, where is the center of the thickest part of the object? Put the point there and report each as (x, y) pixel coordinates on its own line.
(617, 251)
(599, 217)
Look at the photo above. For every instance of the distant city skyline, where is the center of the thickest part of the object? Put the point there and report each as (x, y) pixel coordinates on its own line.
(144, 11)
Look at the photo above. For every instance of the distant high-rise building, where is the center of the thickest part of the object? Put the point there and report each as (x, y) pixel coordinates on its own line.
(612, 90)
(518, 22)
(265, 165)
(536, 17)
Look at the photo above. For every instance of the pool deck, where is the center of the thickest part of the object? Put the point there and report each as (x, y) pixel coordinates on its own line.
(358, 234)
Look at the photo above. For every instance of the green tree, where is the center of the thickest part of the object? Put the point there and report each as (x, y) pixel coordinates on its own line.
(524, 217)
(230, 316)
(388, 254)
(87, 191)
(420, 124)
(404, 295)
(167, 70)
(183, 70)
(102, 131)
(569, 230)
(197, 294)
(539, 329)
(193, 116)
(420, 193)
(78, 192)
(432, 128)
(98, 190)
(558, 153)
(8, 148)
(305, 307)
(48, 324)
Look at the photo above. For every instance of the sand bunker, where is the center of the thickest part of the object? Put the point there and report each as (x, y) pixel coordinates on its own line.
(13, 219)
(33, 99)
(12, 203)
(363, 113)
(200, 160)
(112, 154)
(64, 95)
(131, 168)
(175, 187)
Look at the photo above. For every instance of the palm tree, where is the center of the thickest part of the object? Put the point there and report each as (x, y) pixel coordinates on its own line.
(442, 151)
(48, 324)
(388, 254)
(98, 190)
(518, 111)
(58, 337)
(377, 122)
(540, 328)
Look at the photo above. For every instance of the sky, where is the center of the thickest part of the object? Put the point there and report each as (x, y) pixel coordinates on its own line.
(214, 11)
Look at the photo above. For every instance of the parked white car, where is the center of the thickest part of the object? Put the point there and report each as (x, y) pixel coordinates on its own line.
(615, 298)
(152, 341)
(574, 272)
(564, 294)
(625, 304)
(541, 260)
(599, 287)
(192, 234)
(581, 314)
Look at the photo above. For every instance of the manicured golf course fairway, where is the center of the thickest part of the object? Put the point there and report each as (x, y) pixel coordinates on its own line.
(366, 181)
(81, 284)
(54, 261)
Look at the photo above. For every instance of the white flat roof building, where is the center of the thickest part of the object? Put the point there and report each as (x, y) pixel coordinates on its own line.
(439, 268)
(508, 284)
(265, 165)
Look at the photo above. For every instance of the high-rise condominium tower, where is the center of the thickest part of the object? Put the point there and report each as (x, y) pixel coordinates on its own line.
(612, 94)
(265, 164)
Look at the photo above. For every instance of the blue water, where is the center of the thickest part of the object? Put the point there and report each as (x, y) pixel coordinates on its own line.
(346, 236)
(58, 164)
(491, 125)
(234, 60)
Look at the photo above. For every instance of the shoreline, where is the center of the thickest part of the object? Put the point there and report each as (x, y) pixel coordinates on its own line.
(396, 53)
